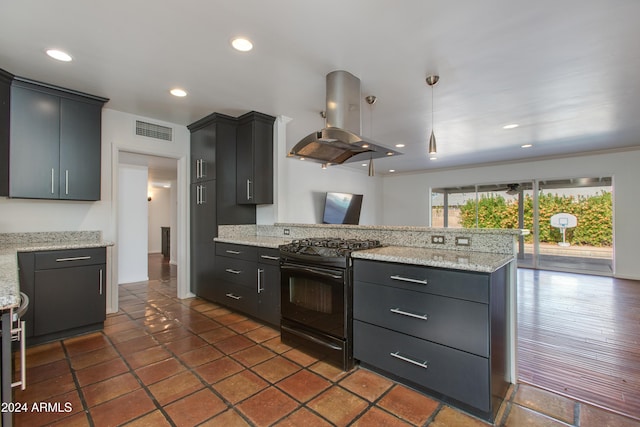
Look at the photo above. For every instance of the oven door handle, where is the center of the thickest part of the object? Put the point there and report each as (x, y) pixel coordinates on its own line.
(312, 271)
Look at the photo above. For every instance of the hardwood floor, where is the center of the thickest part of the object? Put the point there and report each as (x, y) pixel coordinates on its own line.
(579, 336)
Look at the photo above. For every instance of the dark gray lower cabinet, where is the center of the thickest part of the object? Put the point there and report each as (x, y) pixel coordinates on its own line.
(67, 292)
(442, 331)
(269, 285)
(247, 279)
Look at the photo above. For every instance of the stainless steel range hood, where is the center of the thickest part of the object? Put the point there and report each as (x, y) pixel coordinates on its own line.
(340, 141)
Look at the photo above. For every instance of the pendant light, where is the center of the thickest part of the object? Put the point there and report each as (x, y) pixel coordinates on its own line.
(431, 81)
(371, 99)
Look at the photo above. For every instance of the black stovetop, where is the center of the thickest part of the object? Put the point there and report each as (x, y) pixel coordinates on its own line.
(328, 247)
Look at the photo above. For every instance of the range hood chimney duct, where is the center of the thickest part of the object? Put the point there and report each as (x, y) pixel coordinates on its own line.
(340, 141)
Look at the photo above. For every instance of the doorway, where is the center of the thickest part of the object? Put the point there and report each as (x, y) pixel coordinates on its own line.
(161, 193)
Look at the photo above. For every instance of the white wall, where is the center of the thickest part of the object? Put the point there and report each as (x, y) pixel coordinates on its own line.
(160, 209)
(405, 197)
(132, 224)
(300, 187)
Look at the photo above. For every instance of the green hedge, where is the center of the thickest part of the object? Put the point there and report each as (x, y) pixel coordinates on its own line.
(594, 215)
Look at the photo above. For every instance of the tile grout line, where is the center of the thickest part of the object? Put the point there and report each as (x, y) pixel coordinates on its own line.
(81, 396)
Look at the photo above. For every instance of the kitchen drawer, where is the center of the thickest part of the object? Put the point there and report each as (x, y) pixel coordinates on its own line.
(237, 297)
(269, 256)
(69, 258)
(453, 373)
(449, 321)
(451, 283)
(231, 250)
(236, 271)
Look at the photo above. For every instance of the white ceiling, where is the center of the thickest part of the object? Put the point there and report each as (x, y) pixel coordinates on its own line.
(566, 71)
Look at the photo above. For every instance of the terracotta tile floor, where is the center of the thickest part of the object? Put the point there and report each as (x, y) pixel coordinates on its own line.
(161, 361)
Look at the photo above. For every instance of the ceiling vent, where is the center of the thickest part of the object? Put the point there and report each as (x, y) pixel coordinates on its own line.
(151, 130)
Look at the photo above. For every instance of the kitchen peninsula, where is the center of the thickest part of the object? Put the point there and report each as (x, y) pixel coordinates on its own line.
(64, 305)
(433, 308)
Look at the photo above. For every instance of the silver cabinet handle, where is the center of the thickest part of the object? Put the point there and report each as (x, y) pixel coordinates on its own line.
(229, 270)
(272, 258)
(66, 181)
(249, 189)
(406, 313)
(53, 172)
(397, 355)
(233, 296)
(203, 165)
(75, 258)
(100, 281)
(260, 272)
(409, 279)
(229, 251)
(203, 194)
(198, 168)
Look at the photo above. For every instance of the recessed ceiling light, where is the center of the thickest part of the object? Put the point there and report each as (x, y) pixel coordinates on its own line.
(364, 164)
(59, 55)
(399, 145)
(242, 44)
(365, 145)
(392, 170)
(526, 145)
(178, 92)
(433, 158)
(389, 153)
(510, 126)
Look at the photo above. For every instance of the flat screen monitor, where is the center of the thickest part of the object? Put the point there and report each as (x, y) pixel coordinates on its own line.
(342, 208)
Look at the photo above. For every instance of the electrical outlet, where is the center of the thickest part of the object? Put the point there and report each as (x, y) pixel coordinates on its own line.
(463, 241)
(286, 231)
(438, 240)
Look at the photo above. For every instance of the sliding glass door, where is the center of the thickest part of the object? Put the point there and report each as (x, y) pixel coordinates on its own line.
(568, 222)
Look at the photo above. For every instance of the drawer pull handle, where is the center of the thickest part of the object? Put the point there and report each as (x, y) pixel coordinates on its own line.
(229, 251)
(233, 296)
(409, 279)
(228, 270)
(397, 355)
(75, 258)
(272, 258)
(406, 313)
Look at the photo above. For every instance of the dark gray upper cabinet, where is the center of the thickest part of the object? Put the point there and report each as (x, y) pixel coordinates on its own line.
(254, 182)
(52, 149)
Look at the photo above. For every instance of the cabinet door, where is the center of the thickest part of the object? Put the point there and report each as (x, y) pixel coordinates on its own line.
(203, 230)
(35, 148)
(269, 293)
(80, 148)
(254, 182)
(203, 153)
(67, 298)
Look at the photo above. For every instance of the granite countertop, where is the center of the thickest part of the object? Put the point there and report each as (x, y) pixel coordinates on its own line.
(261, 241)
(470, 261)
(9, 248)
(461, 260)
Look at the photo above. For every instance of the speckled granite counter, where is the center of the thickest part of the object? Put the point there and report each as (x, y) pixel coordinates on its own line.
(470, 261)
(488, 250)
(12, 243)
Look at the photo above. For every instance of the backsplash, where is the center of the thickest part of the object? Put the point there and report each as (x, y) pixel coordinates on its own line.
(50, 236)
(497, 241)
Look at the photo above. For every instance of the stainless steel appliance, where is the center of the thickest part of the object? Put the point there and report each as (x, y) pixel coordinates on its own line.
(317, 296)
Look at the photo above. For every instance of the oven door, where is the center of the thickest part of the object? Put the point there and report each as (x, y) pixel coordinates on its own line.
(314, 297)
